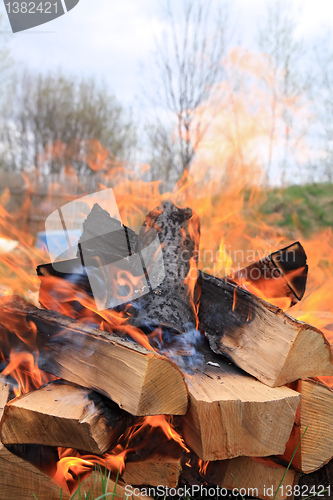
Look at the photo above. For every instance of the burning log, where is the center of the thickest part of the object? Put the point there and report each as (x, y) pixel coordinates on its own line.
(282, 274)
(259, 337)
(232, 414)
(166, 305)
(138, 380)
(65, 415)
(155, 470)
(170, 305)
(259, 477)
(314, 418)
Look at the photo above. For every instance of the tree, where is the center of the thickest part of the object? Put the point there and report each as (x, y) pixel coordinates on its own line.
(323, 97)
(288, 85)
(55, 120)
(187, 63)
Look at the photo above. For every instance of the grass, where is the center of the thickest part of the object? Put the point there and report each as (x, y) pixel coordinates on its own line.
(98, 491)
(307, 208)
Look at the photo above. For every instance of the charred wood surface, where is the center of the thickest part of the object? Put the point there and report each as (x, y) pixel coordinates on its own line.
(169, 305)
(259, 337)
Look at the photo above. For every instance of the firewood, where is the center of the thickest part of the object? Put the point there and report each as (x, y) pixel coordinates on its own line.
(169, 305)
(314, 418)
(138, 380)
(259, 337)
(106, 240)
(4, 393)
(18, 478)
(259, 478)
(154, 470)
(232, 414)
(65, 415)
(281, 274)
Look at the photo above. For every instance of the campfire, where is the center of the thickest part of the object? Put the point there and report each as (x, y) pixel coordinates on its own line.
(136, 360)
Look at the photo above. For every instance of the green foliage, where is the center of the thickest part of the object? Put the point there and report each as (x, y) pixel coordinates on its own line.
(308, 207)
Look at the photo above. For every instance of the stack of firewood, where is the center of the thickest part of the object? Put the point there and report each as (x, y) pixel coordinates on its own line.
(242, 400)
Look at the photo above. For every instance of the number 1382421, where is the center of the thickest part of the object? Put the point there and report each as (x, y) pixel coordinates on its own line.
(32, 7)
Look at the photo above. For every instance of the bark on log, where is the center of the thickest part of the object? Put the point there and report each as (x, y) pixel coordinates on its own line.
(259, 337)
(169, 304)
(314, 418)
(155, 470)
(139, 381)
(19, 479)
(65, 415)
(232, 414)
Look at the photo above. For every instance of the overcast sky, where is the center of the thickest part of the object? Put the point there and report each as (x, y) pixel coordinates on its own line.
(110, 39)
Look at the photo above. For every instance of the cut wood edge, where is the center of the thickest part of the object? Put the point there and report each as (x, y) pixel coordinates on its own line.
(232, 414)
(64, 416)
(155, 470)
(19, 479)
(310, 356)
(314, 421)
(256, 477)
(158, 379)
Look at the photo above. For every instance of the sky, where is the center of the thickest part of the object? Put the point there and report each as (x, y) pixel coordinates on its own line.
(112, 39)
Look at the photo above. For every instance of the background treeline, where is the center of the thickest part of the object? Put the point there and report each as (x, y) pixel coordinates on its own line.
(262, 110)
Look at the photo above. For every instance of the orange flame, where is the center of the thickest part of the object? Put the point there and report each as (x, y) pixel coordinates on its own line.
(23, 368)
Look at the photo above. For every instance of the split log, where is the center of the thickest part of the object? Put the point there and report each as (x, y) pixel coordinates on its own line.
(259, 337)
(314, 417)
(139, 381)
(281, 274)
(19, 479)
(255, 335)
(65, 415)
(155, 470)
(259, 478)
(232, 414)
